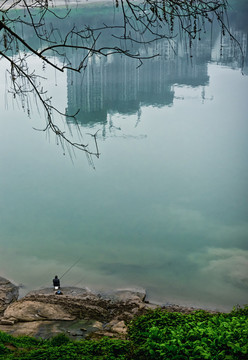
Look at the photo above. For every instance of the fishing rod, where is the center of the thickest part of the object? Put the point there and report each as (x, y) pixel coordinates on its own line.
(75, 263)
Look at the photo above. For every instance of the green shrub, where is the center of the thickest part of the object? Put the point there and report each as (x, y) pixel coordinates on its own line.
(59, 340)
(157, 335)
(238, 310)
(4, 338)
(3, 350)
(162, 335)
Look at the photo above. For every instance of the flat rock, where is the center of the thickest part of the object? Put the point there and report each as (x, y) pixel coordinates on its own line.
(38, 329)
(8, 293)
(69, 291)
(135, 295)
(7, 322)
(35, 311)
(80, 303)
(106, 312)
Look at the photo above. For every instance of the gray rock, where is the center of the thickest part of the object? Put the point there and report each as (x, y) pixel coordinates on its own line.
(130, 295)
(84, 304)
(98, 325)
(69, 291)
(117, 327)
(107, 312)
(26, 310)
(7, 322)
(8, 293)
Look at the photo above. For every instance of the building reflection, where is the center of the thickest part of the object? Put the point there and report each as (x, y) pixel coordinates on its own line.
(115, 84)
(226, 50)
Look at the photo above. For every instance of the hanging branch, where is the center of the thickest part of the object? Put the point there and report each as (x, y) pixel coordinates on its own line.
(138, 23)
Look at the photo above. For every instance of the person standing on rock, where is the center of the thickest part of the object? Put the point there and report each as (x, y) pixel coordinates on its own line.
(56, 283)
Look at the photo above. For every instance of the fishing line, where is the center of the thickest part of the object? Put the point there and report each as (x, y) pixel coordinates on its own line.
(78, 282)
(75, 263)
(71, 267)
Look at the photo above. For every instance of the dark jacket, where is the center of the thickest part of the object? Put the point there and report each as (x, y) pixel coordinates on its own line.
(56, 282)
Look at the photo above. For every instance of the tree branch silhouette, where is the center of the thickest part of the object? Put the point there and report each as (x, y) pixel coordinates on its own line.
(139, 22)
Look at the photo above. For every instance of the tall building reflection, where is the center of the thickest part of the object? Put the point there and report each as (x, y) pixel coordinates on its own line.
(229, 51)
(116, 83)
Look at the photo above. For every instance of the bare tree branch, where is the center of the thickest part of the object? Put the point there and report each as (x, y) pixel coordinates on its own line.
(139, 22)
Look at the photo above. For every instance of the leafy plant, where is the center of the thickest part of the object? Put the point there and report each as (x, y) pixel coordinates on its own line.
(59, 340)
(156, 335)
(200, 335)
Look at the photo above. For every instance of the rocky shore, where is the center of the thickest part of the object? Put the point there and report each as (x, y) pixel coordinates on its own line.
(79, 312)
(8, 293)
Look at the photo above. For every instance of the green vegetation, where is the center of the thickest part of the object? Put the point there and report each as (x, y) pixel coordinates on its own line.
(161, 335)
(156, 335)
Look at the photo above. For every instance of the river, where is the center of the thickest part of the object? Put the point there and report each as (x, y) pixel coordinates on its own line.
(165, 205)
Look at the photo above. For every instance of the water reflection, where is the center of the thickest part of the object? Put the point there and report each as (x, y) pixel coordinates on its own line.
(168, 213)
(117, 84)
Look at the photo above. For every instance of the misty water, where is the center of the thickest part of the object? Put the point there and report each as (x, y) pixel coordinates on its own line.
(164, 207)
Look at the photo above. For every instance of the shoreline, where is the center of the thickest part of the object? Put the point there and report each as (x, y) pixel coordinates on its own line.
(150, 297)
(44, 313)
(159, 301)
(156, 299)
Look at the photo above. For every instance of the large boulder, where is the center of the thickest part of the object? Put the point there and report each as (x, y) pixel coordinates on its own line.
(74, 303)
(104, 314)
(35, 311)
(8, 293)
(125, 295)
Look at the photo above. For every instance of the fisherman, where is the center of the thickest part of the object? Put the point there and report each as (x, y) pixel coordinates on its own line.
(56, 283)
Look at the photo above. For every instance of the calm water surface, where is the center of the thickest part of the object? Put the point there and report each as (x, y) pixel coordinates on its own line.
(165, 207)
